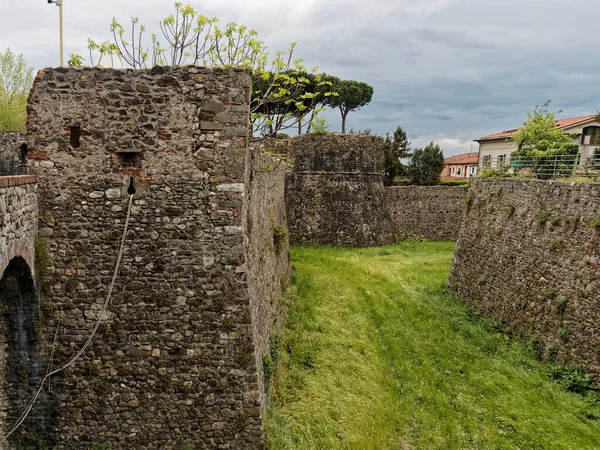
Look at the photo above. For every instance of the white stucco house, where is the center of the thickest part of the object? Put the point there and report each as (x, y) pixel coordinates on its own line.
(495, 149)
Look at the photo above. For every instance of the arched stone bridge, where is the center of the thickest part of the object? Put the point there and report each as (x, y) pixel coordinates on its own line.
(18, 219)
(18, 299)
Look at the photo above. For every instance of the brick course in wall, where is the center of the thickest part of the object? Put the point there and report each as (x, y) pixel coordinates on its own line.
(529, 255)
(334, 191)
(178, 360)
(432, 212)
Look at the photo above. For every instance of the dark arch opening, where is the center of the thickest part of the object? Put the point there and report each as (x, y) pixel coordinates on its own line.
(22, 366)
(131, 188)
(23, 151)
(74, 136)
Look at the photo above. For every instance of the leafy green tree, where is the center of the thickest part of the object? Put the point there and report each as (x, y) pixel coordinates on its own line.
(302, 103)
(16, 78)
(351, 96)
(106, 53)
(426, 165)
(322, 88)
(539, 134)
(395, 147)
(320, 126)
(542, 146)
(75, 60)
(282, 93)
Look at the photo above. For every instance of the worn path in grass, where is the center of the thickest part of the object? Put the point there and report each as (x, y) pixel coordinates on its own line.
(376, 355)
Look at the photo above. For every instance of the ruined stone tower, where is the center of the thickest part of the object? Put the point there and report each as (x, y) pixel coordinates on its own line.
(178, 360)
(335, 193)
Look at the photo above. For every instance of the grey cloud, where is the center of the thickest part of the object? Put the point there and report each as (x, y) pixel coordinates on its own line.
(450, 38)
(446, 70)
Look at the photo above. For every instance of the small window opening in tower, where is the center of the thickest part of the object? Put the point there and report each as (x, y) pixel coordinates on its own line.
(74, 139)
(129, 159)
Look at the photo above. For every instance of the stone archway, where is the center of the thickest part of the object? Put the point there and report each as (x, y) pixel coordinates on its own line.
(22, 367)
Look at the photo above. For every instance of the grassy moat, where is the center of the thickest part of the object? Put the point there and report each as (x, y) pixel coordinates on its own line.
(377, 355)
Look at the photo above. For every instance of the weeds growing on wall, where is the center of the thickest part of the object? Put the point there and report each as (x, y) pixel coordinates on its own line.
(280, 236)
(271, 359)
(595, 223)
(469, 200)
(560, 304)
(42, 264)
(542, 219)
(405, 236)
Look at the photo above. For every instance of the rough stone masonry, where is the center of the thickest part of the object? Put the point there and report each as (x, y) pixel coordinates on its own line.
(335, 195)
(529, 255)
(13, 153)
(432, 212)
(18, 218)
(334, 192)
(18, 228)
(178, 360)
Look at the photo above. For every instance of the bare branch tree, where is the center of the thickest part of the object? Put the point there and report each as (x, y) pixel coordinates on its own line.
(284, 93)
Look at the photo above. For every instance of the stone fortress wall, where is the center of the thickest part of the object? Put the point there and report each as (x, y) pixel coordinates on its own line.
(206, 261)
(529, 255)
(335, 195)
(334, 191)
(432, 212)
(9, 143)
(18, 229)
(178, 359)
(13, 154)
(266, 244)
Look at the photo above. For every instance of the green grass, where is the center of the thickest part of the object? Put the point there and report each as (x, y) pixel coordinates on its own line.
(377, 355)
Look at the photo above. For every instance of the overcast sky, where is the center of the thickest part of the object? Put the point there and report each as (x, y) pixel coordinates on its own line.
(445, 70)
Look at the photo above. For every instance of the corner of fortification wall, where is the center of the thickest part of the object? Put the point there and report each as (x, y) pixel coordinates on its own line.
(187, 329)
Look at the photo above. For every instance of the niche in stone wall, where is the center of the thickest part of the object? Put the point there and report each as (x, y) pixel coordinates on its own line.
(133, 186)
(23, 152)
(129, 159)
(75, 136)
(22, 368)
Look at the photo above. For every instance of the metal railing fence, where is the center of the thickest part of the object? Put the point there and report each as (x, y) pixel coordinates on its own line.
(542, 167)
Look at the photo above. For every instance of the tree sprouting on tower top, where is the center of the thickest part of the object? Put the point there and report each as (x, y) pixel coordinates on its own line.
(351, 96)
(284, 93)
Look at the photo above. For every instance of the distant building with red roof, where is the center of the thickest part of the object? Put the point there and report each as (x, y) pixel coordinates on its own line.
(495, 149)
(460, 166)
